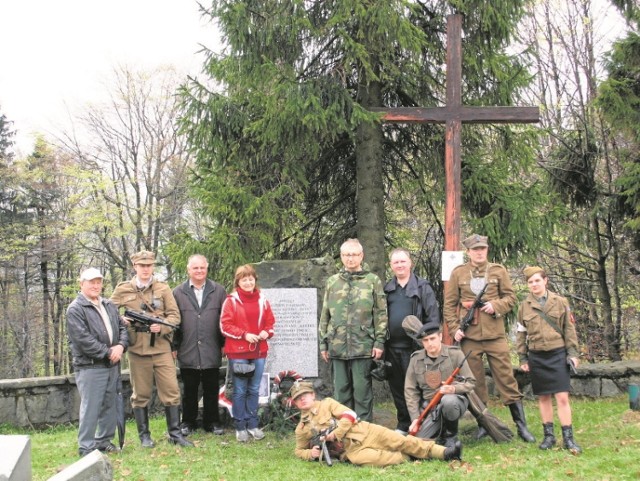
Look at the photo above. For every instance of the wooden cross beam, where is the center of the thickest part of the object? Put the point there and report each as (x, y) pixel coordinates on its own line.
(453, 114)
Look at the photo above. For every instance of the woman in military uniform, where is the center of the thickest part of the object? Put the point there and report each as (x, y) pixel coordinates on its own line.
(547, 342)
(364, 443)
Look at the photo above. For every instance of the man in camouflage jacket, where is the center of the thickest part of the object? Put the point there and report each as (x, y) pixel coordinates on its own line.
(353, 329)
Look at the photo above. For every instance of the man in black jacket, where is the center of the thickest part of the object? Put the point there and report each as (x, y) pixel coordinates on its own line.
(98, 339)
(407, 295)
(199, 345)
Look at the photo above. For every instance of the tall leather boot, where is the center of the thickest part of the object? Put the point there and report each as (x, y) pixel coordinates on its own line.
(549, 440)
(517, 413)
(142, 422)
(567, 440)
(173, 426)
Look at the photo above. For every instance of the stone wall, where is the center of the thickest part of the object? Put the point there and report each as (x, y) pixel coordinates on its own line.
(48, 401)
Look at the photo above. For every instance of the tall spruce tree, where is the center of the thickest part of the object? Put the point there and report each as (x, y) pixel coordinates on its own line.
(290, 162)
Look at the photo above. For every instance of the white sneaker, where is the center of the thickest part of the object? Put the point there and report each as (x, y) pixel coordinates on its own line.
(256, 433)
(242, 436)
(400, 431)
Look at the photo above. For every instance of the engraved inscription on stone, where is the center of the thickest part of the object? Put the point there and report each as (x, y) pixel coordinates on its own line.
(295, 344)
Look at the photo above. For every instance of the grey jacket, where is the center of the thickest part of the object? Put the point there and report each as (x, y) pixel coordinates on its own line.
(199, 343)
(88, 337)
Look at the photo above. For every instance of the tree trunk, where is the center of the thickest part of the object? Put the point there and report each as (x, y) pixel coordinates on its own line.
(370, 186)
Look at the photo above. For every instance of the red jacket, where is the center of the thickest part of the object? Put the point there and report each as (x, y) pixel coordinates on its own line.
(234, 325)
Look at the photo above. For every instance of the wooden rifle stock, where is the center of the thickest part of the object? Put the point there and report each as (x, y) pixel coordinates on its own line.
(437, 396)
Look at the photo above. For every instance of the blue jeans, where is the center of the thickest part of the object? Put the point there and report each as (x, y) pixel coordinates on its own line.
(245, 395)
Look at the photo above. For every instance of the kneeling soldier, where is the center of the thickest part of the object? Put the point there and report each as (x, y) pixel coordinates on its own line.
(364, 443)
(428, 369)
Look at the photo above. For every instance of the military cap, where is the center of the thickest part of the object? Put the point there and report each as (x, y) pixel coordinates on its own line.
(531, 270)
(475, 240)
(143, 257)
(429, 327)
(90, 274)
(299, 388)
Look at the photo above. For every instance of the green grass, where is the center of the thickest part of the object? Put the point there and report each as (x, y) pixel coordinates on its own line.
(607, 430)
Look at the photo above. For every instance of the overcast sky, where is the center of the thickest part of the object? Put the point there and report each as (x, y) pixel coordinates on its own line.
(55, 55)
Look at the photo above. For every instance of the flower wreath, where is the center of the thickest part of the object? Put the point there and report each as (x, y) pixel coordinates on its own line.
(283, 381)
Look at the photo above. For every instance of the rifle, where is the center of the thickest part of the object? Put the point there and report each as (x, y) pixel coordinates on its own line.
(437, 396)
(146, 320)
(321, 441)
(468, 318)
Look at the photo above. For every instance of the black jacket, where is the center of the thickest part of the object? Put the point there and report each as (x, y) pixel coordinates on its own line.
(425, 304)
(88, 337)
(199, 341)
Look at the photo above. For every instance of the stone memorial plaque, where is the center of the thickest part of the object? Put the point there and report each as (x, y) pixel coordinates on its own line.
(295, 344)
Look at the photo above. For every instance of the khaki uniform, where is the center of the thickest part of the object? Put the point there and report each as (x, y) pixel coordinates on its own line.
(536, 334)
(426, 375)
(146, 361)
(486, 334)
(365, 443)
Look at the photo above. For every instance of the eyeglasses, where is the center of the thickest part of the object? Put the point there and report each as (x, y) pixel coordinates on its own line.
(351, 255)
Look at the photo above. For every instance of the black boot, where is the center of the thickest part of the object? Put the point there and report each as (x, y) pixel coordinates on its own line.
(549, 440)
(517, 413)
(567, 440)
(453, 452)
(449, 434)
(482, 432)
(173, 426)
(142, 421)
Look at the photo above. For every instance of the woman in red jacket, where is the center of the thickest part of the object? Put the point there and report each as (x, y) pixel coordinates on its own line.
(246, 322)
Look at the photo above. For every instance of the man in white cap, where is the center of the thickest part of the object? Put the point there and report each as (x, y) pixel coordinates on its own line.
(98, 339)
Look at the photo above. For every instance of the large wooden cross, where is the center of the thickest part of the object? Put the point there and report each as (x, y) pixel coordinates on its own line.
(453, 114)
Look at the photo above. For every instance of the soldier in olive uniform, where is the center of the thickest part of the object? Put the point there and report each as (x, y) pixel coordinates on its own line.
(364, 443)
(486, 335)
(546, 337)
(150, 348)
(428, 369)
(353, 329)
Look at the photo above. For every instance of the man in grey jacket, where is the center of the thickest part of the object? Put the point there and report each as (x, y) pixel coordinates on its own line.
(199, 345)
(98, 339)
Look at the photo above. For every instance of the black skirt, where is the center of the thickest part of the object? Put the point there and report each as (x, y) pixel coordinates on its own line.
(549, 371)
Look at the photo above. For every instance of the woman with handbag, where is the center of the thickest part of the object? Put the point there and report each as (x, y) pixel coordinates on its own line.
(246, 322)
(547, 346)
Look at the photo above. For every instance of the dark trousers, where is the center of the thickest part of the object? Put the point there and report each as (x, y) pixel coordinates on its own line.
(399, 359)
(191, 380)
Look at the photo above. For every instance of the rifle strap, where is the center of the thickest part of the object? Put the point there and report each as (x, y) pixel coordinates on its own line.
(552, 324)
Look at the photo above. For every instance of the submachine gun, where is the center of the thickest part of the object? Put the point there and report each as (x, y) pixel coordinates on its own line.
(321, 441)
(144, 322)
(477, 303)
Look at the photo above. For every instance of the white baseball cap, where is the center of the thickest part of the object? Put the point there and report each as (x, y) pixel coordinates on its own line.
(90, 274)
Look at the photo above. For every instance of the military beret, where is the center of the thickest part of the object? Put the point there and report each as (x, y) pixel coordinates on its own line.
(475, 240)
(531, 270)
(143, 257)
(299, 388)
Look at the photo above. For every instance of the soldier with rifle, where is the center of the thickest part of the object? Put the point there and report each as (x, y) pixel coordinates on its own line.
(436, 385)
(485, 335)
(361, 442)
(150, 346)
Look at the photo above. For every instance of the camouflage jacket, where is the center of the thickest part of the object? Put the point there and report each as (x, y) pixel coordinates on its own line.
(354, 315)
